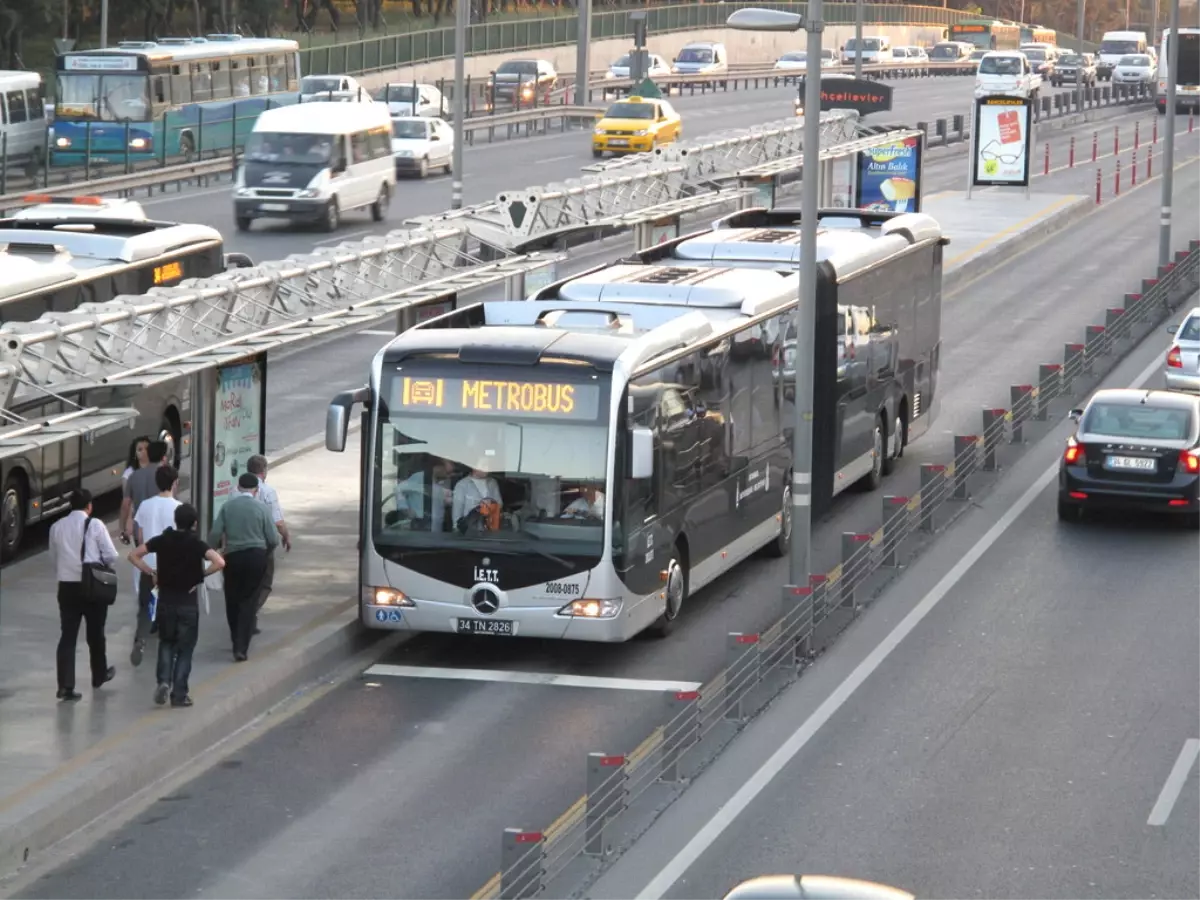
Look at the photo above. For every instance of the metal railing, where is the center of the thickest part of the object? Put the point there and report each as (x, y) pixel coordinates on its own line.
(377, 54)
(626, 792)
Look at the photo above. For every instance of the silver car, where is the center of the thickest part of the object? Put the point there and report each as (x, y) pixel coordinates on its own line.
(1182, 370)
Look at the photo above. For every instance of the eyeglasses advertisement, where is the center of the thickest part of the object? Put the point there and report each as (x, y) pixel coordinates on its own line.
(1002, 142)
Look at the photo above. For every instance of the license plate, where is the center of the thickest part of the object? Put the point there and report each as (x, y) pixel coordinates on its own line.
(273, 207)
(501, 627)
(621, 142)
(1131, 463)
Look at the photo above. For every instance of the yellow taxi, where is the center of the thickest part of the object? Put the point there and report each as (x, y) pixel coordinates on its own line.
(635, 125)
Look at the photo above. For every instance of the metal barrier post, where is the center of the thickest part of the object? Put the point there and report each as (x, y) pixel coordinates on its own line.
(964, 460)
(680, 732)
(204, 398)
(1093, 346)
(1114, 322)
(605, 798)
(820, 602)
(851, 542)
(798, 609)
(522, 864)
(1049, 375)
(1072, 354)
(1020, 396)
(993, 428)
(1133, 303)
(895, 511)
(932, 477)
(741, 671)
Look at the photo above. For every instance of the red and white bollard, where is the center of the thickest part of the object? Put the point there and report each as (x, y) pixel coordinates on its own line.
(1095, 144)
(1149, 164)
(1046, 167)
(1071, 154)
(1191, 122)
(1116, 140)
(1117, 180)
(1137, 135)
(1098, 174)
(1154, 140)
(1133, 169)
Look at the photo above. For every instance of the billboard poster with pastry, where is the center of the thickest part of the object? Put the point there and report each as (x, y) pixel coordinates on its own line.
(1002, 141)
(889, 177)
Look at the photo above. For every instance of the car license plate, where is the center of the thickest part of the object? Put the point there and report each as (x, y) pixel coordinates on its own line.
(273, 207)
(502, 627)
(1131, 463)
(619, 142)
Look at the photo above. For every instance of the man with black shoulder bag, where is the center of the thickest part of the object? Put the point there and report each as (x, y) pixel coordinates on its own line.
(83, 556)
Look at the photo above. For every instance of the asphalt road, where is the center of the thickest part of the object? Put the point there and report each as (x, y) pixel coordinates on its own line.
(400, 787)
(1014, 743)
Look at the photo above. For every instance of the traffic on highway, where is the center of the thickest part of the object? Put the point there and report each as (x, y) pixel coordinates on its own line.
(528, 469)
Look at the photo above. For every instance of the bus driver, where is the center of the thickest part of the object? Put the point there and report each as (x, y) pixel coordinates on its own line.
(473, 491)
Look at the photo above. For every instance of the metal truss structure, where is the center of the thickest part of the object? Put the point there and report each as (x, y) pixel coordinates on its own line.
(170, 332)
(792, 164)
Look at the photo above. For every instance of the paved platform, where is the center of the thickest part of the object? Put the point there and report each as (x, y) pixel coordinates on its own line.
(63, 765)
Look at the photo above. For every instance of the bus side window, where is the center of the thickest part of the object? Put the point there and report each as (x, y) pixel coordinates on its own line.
(181, 86)
(16, 107)
(160, 90)
(240, 76)
(201, 82)
(291, 72)
(37, 104)
(222, 87)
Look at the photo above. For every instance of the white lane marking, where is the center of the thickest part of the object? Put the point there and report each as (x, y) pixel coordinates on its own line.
(1175, 782)
(342, 237)
(376, 332)
(549, 678)
(750, 789)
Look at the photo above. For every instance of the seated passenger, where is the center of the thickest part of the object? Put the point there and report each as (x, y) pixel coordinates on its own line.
(589, 504)
(411, 496)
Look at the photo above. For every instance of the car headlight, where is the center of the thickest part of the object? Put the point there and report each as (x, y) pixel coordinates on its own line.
(309, 193)
(385, 596)
(592, 609)
(244, 192)
(62, 143)
(404, 154)
(642, 133)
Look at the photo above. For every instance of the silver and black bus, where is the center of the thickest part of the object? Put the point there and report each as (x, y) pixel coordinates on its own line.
(572, 469)
(878, 338)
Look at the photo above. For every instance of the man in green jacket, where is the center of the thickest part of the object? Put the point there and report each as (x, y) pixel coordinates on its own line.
(247, 534)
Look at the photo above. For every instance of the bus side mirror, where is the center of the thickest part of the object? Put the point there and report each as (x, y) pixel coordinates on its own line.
(641, 453)
(337, 417)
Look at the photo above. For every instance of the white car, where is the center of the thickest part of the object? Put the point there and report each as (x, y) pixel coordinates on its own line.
(797, 60)
(332, 87)
(420, 143)
(1182, 371)
(1137, 68)
(910, 55)
(620, 69)
(408, 99)
(1007, 73)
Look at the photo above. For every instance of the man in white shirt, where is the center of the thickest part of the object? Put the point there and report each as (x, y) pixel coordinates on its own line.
(257, 466)
(589, 504)
(154, 516)
(68, 536)
(473, 490)
(411, 495)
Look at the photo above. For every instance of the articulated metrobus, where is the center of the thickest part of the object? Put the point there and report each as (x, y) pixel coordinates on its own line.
(576, 465)
(55, 256)
(145, 100)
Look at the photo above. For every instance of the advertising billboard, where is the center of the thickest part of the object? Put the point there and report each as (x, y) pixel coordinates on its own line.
(889, 177)
(1002, 141)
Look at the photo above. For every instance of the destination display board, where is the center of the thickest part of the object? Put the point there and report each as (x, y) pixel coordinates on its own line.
(506, 399)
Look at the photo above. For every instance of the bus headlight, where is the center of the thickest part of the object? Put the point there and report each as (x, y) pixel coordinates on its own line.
(62, 143)
(139, 143)
(592, 609)
(385, 596)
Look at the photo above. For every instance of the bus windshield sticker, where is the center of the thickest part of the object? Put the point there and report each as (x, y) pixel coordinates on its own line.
(519, 399)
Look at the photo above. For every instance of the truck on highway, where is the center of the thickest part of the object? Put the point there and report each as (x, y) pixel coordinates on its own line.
(575, 466)
(1187, 85)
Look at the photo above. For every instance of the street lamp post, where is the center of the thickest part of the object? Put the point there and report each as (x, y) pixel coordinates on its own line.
(1168, 160)
(806, 311)
(1079, 10)
(858, 38)
(462, 10)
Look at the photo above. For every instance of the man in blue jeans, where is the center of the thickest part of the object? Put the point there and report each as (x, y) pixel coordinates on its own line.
(181, 558)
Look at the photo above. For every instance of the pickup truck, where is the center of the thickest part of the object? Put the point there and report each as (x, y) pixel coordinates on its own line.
(1008, 73)
(1066, 70)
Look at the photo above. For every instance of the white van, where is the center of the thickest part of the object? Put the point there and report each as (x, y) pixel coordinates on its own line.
(312, 162)
(22, 119)
(875, 49)
(1113, 46)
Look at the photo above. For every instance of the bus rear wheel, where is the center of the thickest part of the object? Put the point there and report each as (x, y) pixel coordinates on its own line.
(779, 547)
(12, 516)
(675, 589)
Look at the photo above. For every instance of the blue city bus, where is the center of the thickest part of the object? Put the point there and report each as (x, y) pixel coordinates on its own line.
(156, 100)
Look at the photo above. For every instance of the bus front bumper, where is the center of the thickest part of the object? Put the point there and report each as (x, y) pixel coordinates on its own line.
(290, 208)
(506, 622)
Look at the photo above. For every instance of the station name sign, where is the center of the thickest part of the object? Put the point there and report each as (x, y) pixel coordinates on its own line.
(512, 399)
(859, 94)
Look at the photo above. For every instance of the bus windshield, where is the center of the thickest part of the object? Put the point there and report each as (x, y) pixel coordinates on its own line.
(480, 464)
(109, 98)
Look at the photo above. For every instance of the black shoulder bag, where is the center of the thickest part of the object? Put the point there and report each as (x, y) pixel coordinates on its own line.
(99, 580)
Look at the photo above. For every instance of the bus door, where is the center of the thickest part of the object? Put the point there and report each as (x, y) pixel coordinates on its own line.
(856, 414)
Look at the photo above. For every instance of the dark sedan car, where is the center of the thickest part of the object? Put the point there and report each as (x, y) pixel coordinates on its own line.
(1133, 449)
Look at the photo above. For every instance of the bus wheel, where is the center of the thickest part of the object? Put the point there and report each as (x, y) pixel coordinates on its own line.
(676, 596)
(12, 516)
(873, 479)
(779, 546)
(895, 446)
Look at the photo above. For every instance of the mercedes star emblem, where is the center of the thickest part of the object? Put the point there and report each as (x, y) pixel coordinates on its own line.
(485, 601)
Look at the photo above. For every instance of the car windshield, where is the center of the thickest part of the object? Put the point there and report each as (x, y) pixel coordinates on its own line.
(1190, 330)
(522, 471)
(412, 129)
(316, 84)
(518, 67)
(1035, 55)
(944, 51)
(868, 44)
(622, 63)
(289, 149)
(695, 55)
(1071, 59)
(1142, 422)
(1000, 65)
(1139, 61)
(1115, 47)
(396, 93)
(794, 56)
(110, 98)
(630, 111)
(978, 54)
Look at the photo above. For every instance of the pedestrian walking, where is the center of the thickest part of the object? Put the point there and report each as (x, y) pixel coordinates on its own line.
(77, 540)
(257, 466)
(141, 486)
(154, 516)
(177, 570)
(246, 532)
(139, 449)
